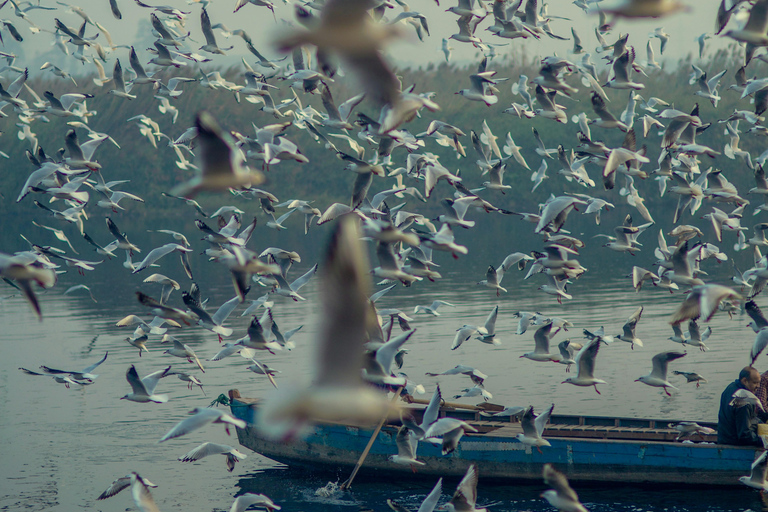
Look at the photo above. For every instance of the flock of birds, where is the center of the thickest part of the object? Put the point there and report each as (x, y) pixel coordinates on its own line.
(356, 345)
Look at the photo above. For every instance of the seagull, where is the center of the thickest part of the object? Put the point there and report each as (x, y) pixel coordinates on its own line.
(432, 309)
(406, 448)
(465, 497)
(691, 377)
(182, 350)
(144, 389)
(756, 479)
(221, 166)
(429, 503)
(492, 280)
(142, 498)
(246, 500)
(338, 390)
(119, 485)
(233, 456)
(629, 329)
(703, 302)
(585, 364)
(754, 31)
(541, 351)
(200, 418)
(658, 375)
(562, 497)
(451, 430)
(84, 374)
(533, 427)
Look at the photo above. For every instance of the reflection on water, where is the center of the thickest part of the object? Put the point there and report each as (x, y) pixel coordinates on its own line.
(62, 447)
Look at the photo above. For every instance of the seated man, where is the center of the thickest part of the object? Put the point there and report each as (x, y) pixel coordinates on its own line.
(738, 425)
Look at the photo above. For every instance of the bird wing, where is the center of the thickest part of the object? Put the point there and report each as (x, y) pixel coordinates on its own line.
(205, 450)
(465, 496)
(759, 469)
(150, 381)
(629, 326)
(541, 337)
(660, 362)
(585, 359)
(92, 367)
(115, 487)
(404, 439)
(430, 502)
(559, 482)
(433, 409)
(194, 422)
(542, 419)
(490, 322)
(136, 383)
(141, 495)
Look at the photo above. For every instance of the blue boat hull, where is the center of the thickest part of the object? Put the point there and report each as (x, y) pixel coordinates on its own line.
(638, 462)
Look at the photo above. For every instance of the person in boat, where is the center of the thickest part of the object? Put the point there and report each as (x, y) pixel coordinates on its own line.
(738, 425)
(762, 390)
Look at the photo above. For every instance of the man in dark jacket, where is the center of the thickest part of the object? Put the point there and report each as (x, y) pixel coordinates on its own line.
(738, 425)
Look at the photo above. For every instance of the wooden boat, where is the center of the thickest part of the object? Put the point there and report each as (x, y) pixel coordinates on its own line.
(585, 448)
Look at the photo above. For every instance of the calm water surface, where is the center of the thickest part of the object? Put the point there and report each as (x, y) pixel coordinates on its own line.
(62, 447)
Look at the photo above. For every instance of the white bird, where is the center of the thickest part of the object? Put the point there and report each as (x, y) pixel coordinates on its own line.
(182, 350)
(233, 456)
(585, 364)
(119, 485)
(142, 498)
(756, 479)
(431, 309)
(221, 166)
(541, 351)
(200, 418)
(144, 389)
(406, 448)
(248, 499)
(562, 497)
(629, 329)
(451, 430)
(337, 390)
(658, 376)
(465, 497)
(533, 428)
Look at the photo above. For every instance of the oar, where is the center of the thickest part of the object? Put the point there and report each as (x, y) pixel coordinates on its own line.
(348, 482)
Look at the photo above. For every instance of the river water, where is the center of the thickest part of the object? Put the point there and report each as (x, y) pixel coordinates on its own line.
(62, 447)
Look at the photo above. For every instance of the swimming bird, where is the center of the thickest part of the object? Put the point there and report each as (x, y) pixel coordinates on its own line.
(144, 389)
(658, 376)
(585, 364)
(233, 456)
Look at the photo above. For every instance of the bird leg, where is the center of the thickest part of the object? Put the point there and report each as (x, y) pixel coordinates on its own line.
(595, 386)
(226, 428)
(667, 392)
(697, 384)
(220, 339)
(559, 300)
(539, 449)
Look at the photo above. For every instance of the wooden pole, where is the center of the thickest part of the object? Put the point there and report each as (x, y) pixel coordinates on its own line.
(348, 482)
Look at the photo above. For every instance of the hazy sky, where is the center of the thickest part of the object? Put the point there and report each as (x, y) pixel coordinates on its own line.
(134, 29)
